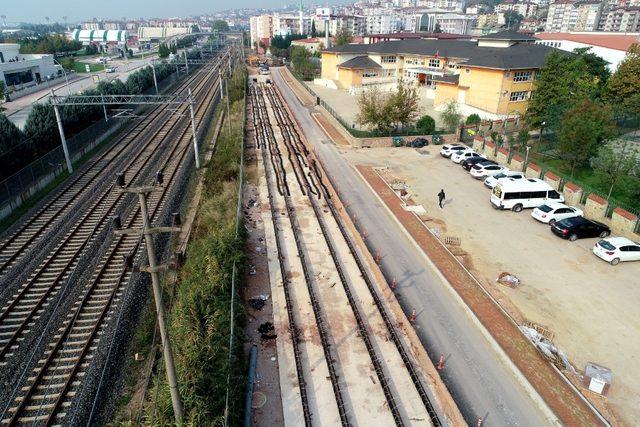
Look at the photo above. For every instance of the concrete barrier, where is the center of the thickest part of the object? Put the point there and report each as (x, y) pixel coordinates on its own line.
(502, 156)
(490, 149)
(533, 171)
(516, 163)
(572, 193)
(552, 179)
(624, 222)
(595, 208)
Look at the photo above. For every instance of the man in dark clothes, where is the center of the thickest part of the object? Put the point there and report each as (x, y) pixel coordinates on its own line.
(441, 197)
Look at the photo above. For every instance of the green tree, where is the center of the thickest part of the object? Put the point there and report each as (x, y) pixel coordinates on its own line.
(405, 104)
(68, 63)
(563, 82)
(615, 161)
(41, 127)
(426, 125)
(10, 135)
(91, 50)
(375, 110)
(174, 49)
(522, 138)
(623, 88)
(597, 66)
(342, 37)
(163, 51)
(438, 28)
(512, 20)
(582, 130)
(2, 88)
(473, 119)
(195, 28)
(451, 116)
(313, 29)
(220, 25)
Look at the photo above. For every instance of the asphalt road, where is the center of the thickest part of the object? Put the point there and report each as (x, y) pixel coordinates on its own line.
(482, 384)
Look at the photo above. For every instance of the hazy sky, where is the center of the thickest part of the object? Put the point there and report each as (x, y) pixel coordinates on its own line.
(76, 10)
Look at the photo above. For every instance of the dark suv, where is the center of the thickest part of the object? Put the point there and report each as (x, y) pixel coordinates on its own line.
(467, 164)
(579, 227)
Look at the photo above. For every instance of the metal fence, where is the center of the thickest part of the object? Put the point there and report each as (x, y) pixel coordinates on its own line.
(19, 187)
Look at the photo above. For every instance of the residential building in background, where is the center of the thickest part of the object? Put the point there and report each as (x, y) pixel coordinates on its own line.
(612, 47)
(525, 9)
(492, 76)
(572, 15)
(625, 19)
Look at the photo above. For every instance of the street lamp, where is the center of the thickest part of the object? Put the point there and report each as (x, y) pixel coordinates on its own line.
(65, 75)
(526, 158)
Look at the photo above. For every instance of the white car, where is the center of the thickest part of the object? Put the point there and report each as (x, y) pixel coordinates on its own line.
(448, 149)
(551, 212)
(616, 249)
(464, 155)
(483, 170)
(492, 181)
(110, 70)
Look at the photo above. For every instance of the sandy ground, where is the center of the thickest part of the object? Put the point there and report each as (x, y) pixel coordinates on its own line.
(590, 306)
(346, 105)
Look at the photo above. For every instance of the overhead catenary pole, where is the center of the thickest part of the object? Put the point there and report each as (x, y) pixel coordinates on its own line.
(62, 138)
(155, 80)
(157, 294)
(186, 61)
(193, 129)
(104, 108)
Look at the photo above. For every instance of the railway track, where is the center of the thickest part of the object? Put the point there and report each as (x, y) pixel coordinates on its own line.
(58, 377)
(405, 397)
(30, 232)
(30, 301)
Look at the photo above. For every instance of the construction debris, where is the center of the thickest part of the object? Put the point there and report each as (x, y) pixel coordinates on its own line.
(508, 279)
(257, 303)
(547, 348)
(265, 330)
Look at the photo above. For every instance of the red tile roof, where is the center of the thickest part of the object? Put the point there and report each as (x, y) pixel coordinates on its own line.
(611, 41)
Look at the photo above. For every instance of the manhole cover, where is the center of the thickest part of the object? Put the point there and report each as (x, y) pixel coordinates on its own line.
(258, 400)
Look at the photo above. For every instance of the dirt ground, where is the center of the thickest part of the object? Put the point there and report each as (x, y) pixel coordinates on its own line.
(590, 306)
(267, 405)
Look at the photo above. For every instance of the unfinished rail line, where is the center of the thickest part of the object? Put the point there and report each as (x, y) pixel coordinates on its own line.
(46, 395)
(127, 148)
(369, 376)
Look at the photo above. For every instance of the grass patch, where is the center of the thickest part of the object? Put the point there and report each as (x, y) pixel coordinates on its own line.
(81, 67)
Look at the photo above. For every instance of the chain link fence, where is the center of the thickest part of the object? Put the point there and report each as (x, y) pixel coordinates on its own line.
(19, 187)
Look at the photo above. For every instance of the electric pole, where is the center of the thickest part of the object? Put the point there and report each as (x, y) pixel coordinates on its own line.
(153, 268)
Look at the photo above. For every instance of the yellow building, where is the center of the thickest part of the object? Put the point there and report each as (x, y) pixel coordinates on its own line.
(492, 76)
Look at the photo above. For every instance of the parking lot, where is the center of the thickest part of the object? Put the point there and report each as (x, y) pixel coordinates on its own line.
(589, 305)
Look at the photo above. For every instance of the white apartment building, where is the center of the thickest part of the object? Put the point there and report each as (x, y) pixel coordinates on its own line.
(454, 23)
(524, 9)
(457, 5)
(621, 20)
(353, 24)
(382, 21)
(570, 15)
(267, 26)
(260, 28)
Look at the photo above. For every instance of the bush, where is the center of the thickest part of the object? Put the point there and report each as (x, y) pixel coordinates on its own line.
(426, 125)
(473, 119)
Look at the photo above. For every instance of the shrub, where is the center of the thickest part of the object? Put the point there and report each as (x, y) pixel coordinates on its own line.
(473, 119)
(426, 125)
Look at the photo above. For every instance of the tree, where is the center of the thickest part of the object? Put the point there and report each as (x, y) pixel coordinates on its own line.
(2, 88)
(473, 119)
(163, 51)
(512, 19)
(523, 137)
(438, 28)
(68, 63)
(374, 109)
(426, 125)
(623, 88)
(615, 161)
(342, 37)
(195, 28)
(220, 25)
(597, 67)
(10, 135)
(405, 104)
(582, 130)
(562, 82)
(313, 29)
(91, 49)
(174, 49)
(41, 127)
(451, 116)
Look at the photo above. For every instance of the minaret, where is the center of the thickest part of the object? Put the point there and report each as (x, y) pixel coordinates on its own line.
(301, 21)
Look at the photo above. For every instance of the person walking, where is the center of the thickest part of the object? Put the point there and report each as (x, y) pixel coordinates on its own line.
(441, 197)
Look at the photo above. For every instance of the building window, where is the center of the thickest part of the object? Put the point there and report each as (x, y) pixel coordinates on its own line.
(522, 76)
(519, 96)
(369, 73)
(389, 59)
(434, 63)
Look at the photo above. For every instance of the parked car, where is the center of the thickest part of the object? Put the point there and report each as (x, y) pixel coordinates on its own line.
(616, 249)
(448, 149)
(517, 194)
(263, 71)
(551, 212)
(419, 142)
(491, 181)
(471, 161)
(461, 155)
(481, 170)
(579, 227)
(110, 70)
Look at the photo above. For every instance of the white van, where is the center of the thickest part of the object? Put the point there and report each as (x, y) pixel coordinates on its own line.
(516, 194)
